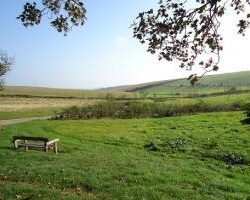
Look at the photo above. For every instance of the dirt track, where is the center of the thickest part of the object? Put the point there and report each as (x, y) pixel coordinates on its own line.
(17, 121)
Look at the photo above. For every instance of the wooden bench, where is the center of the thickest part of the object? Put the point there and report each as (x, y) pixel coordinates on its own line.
(35, 143)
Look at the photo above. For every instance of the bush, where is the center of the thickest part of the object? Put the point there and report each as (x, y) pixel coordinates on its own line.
(138, 109)
(152, 147)
(232, 158)
(169, 146)
(176, 145)
(128, 109)
(247, 112)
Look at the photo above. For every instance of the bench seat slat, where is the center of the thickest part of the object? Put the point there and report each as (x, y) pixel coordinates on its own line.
(30, 138)
(31, 145)
(34, 145)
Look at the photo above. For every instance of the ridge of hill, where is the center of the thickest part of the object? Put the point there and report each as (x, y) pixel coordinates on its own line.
(45, 92)
(207, 85)
(211, 84)
(137, 87)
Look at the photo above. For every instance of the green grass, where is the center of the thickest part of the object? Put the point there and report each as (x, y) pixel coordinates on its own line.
(221, 99)
(207, 85)
(106, 159)
(17, 107)
(27, 113)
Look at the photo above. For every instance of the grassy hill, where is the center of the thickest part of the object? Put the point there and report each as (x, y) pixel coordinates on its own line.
(27, 91)
(137, 87)
(207, 85)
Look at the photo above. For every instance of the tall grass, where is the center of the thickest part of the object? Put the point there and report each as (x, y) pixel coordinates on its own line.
(140, 109)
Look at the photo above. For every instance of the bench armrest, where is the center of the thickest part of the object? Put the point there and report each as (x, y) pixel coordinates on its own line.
(16, 143)
(52, 141)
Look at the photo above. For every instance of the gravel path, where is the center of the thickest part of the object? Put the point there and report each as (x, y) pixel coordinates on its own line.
(17, 121)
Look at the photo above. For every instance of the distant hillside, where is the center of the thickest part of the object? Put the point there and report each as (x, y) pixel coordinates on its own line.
(207, 85)
(137, 87)
(222, 83)
(26, 91)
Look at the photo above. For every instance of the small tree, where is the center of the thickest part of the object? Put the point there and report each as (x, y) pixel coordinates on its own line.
(5, 64)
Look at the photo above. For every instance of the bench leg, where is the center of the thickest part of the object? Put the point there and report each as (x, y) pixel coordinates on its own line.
(26, 148)
(16, 144)
(45, 147)
(55, 148)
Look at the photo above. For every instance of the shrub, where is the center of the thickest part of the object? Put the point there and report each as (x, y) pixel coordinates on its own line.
(176, 145)
(232, 158)
(152, 147)
(247, 112)
(169, 146)
(139, 109)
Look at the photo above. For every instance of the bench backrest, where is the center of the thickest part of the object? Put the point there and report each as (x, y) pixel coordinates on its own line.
(31, 138)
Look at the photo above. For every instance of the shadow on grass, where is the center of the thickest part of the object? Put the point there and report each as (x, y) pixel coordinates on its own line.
(245, 121)
(7, 148)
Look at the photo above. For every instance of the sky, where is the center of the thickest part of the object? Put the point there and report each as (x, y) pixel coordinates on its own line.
(100, 54)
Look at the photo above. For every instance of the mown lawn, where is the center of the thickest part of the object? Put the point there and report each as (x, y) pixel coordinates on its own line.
(107, 159)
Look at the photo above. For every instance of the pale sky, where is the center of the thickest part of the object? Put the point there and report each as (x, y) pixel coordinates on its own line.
(100, 54)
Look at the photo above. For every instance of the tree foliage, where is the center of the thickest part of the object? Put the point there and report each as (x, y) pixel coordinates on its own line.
(63, 14)
(5, 64)
(189, 31)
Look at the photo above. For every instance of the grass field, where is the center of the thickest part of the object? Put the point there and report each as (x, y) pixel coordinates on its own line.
(28, 113)
(241, 99)
(203, 156)
(207, 85)
(20, 107)
(63, 93)
(19, 101)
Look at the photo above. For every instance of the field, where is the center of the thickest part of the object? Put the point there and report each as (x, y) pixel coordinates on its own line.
(197, 153)
(23, 91)
(13, 106)
(203, 156)
(19, 107)
(223, 83)
(20, 101)
(212, 84)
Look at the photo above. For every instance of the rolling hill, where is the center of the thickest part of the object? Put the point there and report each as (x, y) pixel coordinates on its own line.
(212, 84)
(237, 81)
(28, 91)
